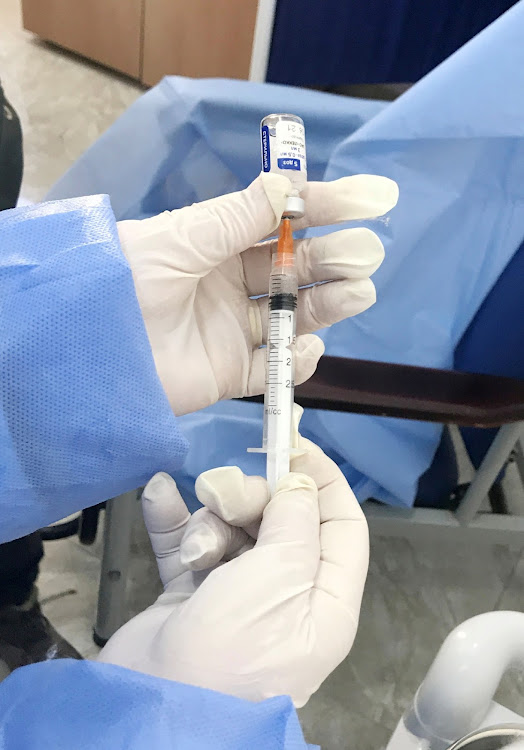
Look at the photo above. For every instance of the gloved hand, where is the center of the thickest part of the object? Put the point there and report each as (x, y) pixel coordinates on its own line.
(281, 615)
(195, 270)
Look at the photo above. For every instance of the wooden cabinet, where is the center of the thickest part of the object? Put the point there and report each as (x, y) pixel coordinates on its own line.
(109, 31)
(198, 38)
(148, 39)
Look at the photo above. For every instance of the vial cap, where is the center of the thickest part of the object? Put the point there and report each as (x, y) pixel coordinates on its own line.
(295, 207)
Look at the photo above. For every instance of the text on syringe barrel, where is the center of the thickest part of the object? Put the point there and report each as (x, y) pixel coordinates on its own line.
(278, 401)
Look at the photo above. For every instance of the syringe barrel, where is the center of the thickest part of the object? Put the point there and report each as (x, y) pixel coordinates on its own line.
(279, 393)
(283, 290)
(283, 144)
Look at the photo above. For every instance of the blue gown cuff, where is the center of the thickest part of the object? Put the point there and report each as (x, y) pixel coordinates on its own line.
(83, 415)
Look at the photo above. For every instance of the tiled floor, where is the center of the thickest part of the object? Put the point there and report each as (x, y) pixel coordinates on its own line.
(64, 102)
(416, 592)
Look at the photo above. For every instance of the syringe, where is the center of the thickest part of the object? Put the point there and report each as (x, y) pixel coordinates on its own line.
(280, 368)
(283, 151)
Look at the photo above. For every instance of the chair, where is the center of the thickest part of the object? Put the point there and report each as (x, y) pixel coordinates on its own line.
(487, 407)
(449, 397)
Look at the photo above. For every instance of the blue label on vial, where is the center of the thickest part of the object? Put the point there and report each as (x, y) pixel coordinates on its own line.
(266, 153)
(289, 164)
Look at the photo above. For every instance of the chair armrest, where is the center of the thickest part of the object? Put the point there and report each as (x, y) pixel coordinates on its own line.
(387, 390)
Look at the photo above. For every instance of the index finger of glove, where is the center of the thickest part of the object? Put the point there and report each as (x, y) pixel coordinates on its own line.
(220, 228)
(165, 517)
(290, 527)
(358, 197)
(223, 227)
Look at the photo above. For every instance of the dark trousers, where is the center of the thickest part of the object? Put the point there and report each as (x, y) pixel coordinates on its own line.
(19, 568)
(11, 160)
(18, 559)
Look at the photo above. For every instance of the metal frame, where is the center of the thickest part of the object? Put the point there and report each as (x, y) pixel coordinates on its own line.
(519, 456)
(467, 520)
(262, 40)
(383, 520)
(118, 526)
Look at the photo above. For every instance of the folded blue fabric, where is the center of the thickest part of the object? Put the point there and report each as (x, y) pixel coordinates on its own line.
(189, 140)
(83, 415)
(66, 704)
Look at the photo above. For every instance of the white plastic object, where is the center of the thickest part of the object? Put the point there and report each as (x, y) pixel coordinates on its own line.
(283, 143)
(402, 739)
(456, 696)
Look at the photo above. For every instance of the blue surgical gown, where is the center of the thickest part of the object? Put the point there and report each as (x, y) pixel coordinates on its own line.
(84, 417)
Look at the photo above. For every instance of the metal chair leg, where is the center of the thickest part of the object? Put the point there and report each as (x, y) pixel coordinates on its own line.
(493, 462)
(111, 610)
(519, 457)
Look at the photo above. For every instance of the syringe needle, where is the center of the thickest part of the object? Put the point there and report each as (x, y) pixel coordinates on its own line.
(285, 253)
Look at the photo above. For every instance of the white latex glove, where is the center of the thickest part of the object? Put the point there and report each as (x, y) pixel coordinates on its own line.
(195, 270)
(279, 617)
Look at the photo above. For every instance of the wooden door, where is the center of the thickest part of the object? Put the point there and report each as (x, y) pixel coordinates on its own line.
(108, 31)
(197, 38)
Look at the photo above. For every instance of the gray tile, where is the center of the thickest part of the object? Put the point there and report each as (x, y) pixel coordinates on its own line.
(69, 580)
(513, 595)
(415, 595)
(335, 726)
(511, 690)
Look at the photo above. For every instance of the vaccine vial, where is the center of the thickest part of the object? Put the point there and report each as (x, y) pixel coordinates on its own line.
(284, 152)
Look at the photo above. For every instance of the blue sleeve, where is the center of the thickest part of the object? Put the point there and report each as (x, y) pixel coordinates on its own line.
(64, 704)
(83, 415)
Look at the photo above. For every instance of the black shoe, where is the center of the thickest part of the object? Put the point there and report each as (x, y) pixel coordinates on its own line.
(27, 636)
